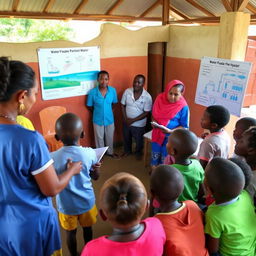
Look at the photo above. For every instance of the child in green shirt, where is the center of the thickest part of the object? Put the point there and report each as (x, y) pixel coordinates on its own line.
(182, 144)
(231, 220)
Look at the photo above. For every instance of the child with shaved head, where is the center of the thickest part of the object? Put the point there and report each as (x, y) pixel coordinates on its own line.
(181, 145)
(76, 203)
(182, 221)
(231, 220)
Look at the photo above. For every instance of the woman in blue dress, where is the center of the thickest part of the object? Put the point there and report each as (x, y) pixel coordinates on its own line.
(28, 221)
(170, 110)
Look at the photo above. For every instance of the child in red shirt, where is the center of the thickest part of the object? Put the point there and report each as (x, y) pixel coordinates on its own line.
(182, 221)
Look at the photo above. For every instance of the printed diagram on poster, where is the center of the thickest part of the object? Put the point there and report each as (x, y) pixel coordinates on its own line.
(68, 72)
(222, 82)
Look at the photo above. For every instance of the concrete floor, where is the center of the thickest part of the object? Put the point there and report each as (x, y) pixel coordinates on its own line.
(110, 167)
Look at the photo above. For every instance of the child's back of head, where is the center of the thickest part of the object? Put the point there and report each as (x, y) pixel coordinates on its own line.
(218, 115)
(69, 129)
(166, 183)
(246, 169)
(185, 219)
(224, 179)
(123, 199)
(182, 143)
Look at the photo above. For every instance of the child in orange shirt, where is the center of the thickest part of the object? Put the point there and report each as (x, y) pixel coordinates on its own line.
(182, 222)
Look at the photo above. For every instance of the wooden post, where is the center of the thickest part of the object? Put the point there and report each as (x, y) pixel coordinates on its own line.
(233, 35)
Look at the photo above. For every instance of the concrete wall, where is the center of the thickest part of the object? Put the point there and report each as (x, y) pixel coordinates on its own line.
(186, 46)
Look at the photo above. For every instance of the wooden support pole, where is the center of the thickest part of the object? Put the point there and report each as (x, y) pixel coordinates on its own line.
(233, 35)
(165, 12)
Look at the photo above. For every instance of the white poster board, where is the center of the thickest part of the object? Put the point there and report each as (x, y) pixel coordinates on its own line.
(68, 72)
(222, 82)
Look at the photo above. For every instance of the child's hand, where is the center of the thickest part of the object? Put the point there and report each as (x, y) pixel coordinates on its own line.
(75, 166)
(95, 173)
(97, 165)
(204, 135)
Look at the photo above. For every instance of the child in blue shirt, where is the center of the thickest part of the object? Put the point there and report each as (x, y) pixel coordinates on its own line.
(100, 102)
(77, 201)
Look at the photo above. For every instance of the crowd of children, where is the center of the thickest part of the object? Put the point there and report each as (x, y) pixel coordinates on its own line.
(201, 204)
(225, 226)
(224, 189)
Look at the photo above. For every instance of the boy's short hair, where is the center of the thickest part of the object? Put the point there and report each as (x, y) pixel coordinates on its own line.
(246, 169)
(166, 183)
(102, 72)
(184, 141)
(218, 115)
(69, 128)
(246, 122)
(141, 76)
(123, 198)
(224, 178)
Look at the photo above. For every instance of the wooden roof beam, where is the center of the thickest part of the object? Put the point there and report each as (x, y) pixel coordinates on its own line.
(80, 6)
(114, 6)
(49, 5)
(201, 8)
(15, 5)
(251, 8)
(153, 6)
(185, 17)
(243, 5)
(227, 5)
(64, 16)
(165, 12)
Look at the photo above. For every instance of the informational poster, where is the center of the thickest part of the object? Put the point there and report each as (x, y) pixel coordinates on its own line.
(222, 82)
(68, 72)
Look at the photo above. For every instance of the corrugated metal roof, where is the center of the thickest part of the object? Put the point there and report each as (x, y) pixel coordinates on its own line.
(5, 5)
(133, 7)
(128, 10)
(97, 7)
(187, 8)
(31, 6)
(214, 6)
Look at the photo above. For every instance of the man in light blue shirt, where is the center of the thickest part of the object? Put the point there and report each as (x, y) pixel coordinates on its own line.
(100, 101)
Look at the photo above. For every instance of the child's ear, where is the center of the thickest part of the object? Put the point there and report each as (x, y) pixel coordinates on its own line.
(173, 152)
(251, 151)
(102, 215)
(214, 126)
(82, 135)
(56, 137)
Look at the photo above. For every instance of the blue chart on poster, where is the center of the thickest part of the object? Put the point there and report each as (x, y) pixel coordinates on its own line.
(222, 82)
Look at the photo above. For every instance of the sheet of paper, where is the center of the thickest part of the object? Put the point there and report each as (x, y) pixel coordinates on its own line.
(100, 152)
(155, 124)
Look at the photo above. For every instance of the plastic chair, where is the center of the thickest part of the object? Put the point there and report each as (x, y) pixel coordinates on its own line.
(48, 117)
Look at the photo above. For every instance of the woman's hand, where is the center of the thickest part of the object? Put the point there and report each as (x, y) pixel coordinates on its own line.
(76, 167)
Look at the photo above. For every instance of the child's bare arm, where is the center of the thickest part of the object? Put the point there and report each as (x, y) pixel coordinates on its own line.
(212, 244)
(95, 173)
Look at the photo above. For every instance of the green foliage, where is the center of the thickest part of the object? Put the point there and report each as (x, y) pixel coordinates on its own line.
(27, 30)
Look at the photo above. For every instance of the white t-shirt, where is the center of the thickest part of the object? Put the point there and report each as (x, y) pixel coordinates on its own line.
(134, 107)
(215, 144)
